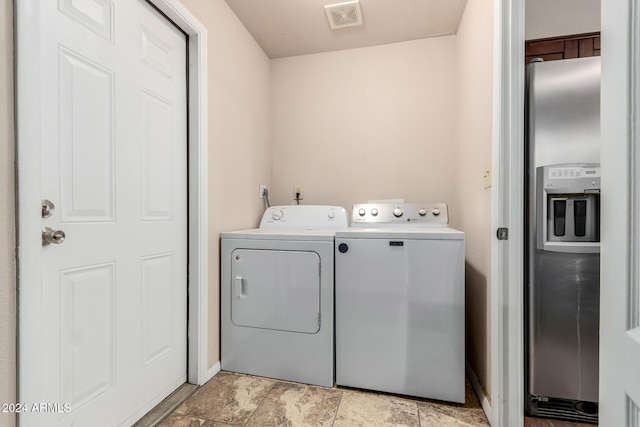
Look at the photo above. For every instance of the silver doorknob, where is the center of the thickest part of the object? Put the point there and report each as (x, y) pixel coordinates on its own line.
(49, 235)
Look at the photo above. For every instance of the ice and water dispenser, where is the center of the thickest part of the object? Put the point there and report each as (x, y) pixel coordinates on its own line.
(568, 208)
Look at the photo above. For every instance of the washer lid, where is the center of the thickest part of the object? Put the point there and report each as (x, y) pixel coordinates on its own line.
(401, 233)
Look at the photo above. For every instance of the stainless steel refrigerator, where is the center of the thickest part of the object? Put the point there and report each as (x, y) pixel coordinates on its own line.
(562, 250)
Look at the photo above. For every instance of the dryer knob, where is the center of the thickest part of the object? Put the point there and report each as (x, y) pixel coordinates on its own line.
(422, 212)
(397, 212)
(331, 215)
(435, 211)
(374, 212)
(361, 212)
(277, 214)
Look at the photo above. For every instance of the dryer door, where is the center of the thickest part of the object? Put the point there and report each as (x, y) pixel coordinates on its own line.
(277, 290)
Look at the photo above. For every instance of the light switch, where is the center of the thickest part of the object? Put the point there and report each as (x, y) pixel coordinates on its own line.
(487, 177)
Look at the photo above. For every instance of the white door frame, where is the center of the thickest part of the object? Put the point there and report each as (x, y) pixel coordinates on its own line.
(28, 191)
(507, 304)
(621, 22)
(198, 316)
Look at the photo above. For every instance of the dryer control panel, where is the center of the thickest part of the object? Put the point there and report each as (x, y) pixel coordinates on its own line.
(400, 214)
(305, 217)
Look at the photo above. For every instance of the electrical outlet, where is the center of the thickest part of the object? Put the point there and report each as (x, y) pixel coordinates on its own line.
(261, 191)
(298, 191)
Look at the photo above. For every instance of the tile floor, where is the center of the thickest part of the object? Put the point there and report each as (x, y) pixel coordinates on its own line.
(230, 399)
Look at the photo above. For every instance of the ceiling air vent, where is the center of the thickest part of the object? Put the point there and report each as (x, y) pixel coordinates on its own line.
(342, 15)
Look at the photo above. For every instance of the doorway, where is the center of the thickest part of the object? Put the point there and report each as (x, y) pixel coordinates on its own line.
(619, 385)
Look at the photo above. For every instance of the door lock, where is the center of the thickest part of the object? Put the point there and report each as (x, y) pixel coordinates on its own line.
(47, 208)
(49, 235)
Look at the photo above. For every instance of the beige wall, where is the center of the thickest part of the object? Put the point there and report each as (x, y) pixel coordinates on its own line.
(362, 124)
(239, 129)
(7, 217)
(473, 111)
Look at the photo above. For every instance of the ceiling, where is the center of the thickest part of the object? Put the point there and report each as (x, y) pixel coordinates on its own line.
(299, 27)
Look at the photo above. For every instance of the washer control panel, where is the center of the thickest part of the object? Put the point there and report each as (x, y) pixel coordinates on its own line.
(397, 214)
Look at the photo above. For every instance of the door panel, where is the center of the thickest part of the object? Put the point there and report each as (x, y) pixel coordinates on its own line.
(157, 279)
(87, 332)
(155, 52)
(96, 15)
(564, 327)
(276, 290)
(87, 180)
(157, 191)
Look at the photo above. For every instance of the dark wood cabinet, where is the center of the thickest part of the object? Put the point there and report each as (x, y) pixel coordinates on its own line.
(551, 49)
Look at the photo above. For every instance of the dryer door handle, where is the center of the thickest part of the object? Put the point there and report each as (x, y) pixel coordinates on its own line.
(238, 287)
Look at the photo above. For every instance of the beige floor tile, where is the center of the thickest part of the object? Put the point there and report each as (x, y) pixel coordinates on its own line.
(231, 400)
(185, 421)
(442, 415)
(361, 409)
(227, 398)
(175, 420)
(297, 405)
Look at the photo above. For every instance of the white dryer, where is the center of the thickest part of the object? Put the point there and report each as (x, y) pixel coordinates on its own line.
(277, 295)
(400, 302)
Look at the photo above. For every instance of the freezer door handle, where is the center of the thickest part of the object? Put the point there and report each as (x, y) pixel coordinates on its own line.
(580, 217)
(238, 288)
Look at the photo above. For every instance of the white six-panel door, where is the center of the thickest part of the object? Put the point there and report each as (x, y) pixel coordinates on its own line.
(620, 258)
(113, 307)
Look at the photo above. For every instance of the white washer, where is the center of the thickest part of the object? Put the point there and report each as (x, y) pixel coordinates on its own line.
(400, 301)
(277, 295)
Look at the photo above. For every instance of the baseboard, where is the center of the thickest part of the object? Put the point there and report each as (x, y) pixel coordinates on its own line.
(484, 402)
(213, 371)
